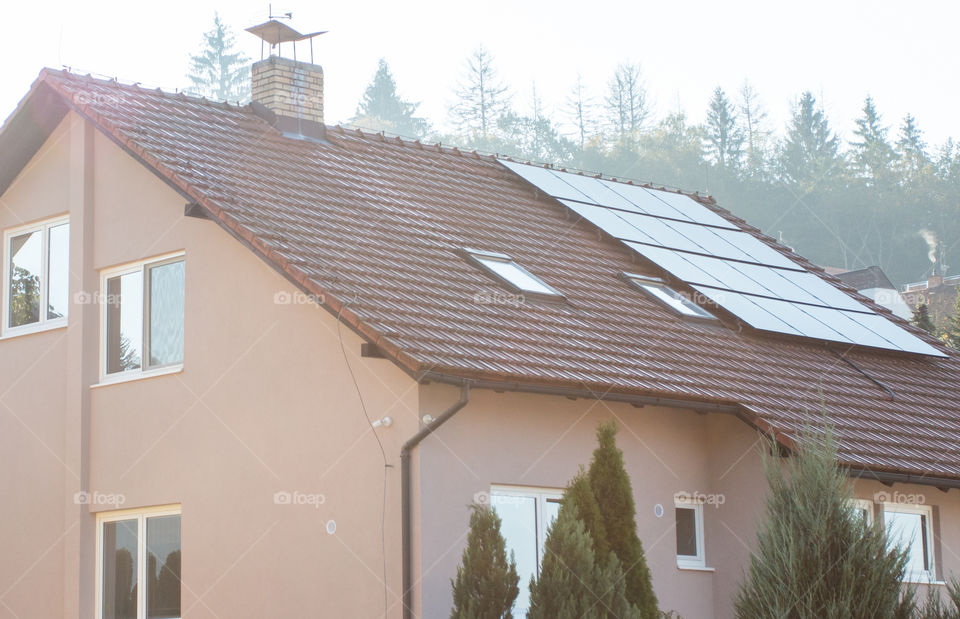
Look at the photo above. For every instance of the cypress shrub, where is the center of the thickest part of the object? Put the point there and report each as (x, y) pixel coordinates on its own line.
(572, 583)
(486, 585)
(614, 495)
(816, 558)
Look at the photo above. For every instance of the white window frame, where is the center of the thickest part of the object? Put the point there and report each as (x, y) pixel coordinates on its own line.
(44, 323)
(684, 307)
(141, 266)
(928, 575)
(698, 561)
(478, 257)
(542, 496)
(866, 505)
(141, 515)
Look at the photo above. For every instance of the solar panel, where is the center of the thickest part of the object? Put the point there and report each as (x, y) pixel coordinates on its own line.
(753, 281)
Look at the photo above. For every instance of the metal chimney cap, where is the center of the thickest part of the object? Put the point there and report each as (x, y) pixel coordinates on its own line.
(275, 32)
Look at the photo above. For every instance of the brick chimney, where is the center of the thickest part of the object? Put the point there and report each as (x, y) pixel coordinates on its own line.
(288, 92)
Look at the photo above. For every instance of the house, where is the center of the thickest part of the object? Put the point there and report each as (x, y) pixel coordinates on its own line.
(874, 284)
(255, 366)
(939, 293)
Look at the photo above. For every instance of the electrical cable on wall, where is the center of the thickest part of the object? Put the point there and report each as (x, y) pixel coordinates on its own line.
(383, 453)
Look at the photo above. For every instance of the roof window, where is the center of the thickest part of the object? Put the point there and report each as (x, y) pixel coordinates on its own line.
(659, 290)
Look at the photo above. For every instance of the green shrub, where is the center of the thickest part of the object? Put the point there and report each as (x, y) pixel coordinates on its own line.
(572, 583)
(816, 558)
(614, 495)
(486, 585)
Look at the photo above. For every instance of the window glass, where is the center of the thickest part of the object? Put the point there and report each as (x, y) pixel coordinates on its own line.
(551, 509)
(26, 264)
(119, 592)
(673, 299)
(518, 515)
(163, 567)
(166, 314)
(909, 530)
(124, 322)
(516, 275)
(58, 271)
(686, 532)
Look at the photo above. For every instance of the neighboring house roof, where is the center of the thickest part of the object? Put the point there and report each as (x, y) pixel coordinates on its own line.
(865, 279)
(874, 284)
(374, 225)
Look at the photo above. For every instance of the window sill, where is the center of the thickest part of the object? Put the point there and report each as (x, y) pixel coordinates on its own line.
(923, 581)
(694, 568)
(10, 334)
(127, 377)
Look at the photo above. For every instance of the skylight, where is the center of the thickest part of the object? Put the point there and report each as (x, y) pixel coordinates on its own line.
(657, 289)
(504, 268)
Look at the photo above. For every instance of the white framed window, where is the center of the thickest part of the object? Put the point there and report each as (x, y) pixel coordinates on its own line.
(911, 527)
(142, 316)
(863, 508)
(138, 564)
(36, 276)
(659, 290)
(688, 513)
(503, 268)
(526, 514)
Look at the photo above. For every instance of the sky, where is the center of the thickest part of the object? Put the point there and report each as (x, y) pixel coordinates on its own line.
(907, 59)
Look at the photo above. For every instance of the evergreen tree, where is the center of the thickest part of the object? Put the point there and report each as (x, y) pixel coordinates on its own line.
(752, 119)
(219, 72)
(486, 585)
(911, 152)
(810, 153)
(579, 496)
(482, 98)
(626, 105)
(952, 328)
(815, 557)
(382, 109)
(872, 154)
(724, 142)
(611, 487)
(573, 584)
(921, 318)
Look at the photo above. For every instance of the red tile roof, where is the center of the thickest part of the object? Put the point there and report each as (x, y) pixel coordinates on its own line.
(373, 224)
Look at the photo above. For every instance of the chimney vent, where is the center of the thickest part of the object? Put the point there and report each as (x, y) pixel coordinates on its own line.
(290, 90)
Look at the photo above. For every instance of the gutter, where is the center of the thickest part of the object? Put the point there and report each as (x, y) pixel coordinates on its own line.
(587, 394)
(406, 504)
(941, 483)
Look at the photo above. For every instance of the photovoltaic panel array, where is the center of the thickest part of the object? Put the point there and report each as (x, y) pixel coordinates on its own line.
(734, 269)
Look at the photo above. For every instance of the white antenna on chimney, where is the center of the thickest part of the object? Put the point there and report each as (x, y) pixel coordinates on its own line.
(275, 32)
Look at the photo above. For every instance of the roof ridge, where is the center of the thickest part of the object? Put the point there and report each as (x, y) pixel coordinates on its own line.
(106, 80)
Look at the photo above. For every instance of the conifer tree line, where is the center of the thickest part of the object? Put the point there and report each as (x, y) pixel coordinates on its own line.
(880, 196)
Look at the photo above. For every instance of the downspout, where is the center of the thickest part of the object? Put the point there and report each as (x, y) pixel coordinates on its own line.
(405, 501)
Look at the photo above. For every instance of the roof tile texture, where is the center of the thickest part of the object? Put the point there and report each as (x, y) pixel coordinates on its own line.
(375, 224)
